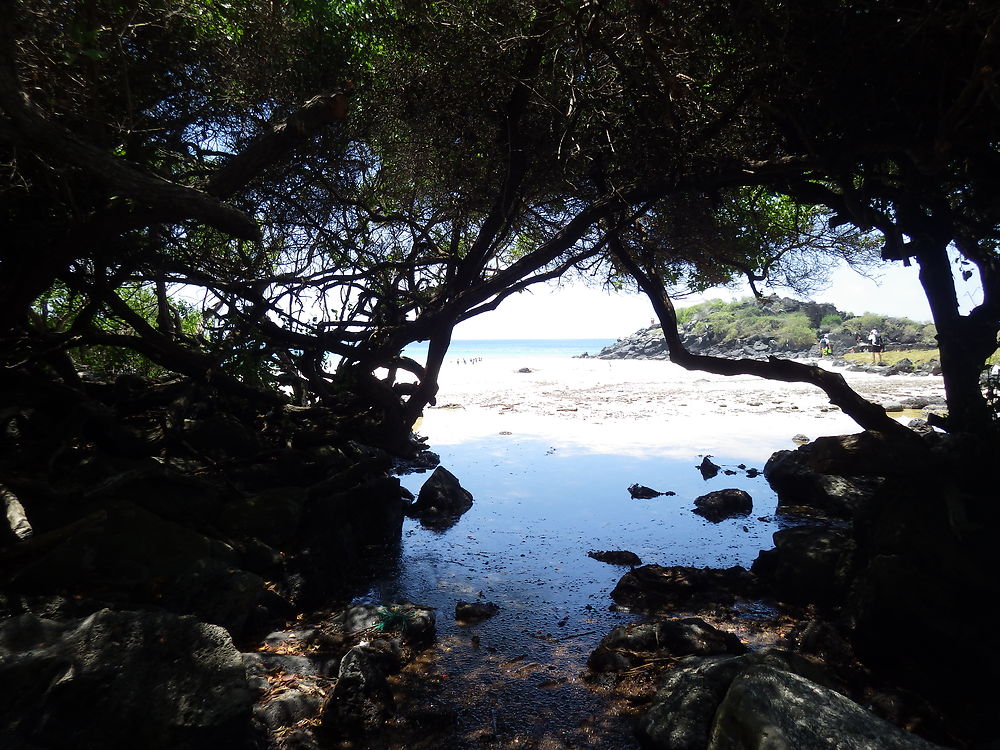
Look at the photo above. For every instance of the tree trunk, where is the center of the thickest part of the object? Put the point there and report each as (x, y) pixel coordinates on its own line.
(964, 342)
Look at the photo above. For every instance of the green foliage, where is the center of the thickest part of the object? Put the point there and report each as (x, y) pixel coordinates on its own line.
(831, 321)
(59, 311)
(795, 326)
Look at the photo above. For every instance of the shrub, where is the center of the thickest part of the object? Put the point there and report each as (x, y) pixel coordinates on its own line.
(831, 322)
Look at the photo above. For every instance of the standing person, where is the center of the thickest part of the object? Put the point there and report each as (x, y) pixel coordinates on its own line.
(877, 345)
(824, 346)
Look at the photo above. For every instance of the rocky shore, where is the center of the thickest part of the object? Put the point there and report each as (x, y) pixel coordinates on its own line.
(699, 337)
(648, 343)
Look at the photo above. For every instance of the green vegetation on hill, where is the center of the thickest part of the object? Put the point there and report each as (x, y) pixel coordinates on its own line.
(797, 324)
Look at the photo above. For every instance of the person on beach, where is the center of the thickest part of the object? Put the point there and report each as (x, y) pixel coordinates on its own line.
(824, 346)
(876, 344)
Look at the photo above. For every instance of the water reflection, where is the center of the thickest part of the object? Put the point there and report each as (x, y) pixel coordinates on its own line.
(538, 510)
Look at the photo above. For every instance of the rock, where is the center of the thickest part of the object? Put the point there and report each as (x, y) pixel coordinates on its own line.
(616, 557)
(707, 468)
(122, 679)
(525, 370)
(803, 490)
(288, 708)
(138, 558)
(921, 427)
(641, 492)
(361, 700)
(705, 704)
(420, 622)
(628, 646)
(271, 515)
(441, 500)
(653, 587)
(471, 612)
(339, 528)
(721, 504)
(800, 439)
(769, 707)
(903, 366)
(863, 454)
(808, 565)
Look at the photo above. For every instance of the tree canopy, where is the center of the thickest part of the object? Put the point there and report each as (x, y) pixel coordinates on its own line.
(337, 180)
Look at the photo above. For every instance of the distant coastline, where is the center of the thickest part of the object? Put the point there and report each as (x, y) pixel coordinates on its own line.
(495, 349)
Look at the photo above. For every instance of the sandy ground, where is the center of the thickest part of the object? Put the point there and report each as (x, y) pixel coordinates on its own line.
(642, 407)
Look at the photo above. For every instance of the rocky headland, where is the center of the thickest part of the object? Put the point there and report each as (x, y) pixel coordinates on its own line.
(781, 327)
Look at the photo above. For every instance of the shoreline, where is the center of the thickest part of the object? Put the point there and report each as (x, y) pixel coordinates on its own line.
(645, 407)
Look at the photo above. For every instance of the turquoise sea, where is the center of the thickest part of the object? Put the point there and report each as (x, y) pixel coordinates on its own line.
(495, 349)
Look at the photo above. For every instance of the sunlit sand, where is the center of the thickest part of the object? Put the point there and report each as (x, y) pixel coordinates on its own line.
(643, 407)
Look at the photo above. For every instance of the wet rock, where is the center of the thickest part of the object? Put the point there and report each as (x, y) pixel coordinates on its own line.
(628, 646)
(442, 499)
(722, 504)
(707, 468)
(616, 557)
(122, 679)
(641, 492)
(470, 612)
(653, 587)
(808, 565)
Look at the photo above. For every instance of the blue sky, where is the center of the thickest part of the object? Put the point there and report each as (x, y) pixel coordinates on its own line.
(572, 312)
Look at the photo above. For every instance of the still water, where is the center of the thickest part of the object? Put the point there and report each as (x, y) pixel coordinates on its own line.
(539, 508)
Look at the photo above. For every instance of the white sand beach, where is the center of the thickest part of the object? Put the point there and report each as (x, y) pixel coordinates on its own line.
(644, 407)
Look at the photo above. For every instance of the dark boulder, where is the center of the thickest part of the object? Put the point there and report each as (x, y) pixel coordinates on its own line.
(641, 492)
(767, 698)
(442, 499)
(808, 565)
(121, 680)
(651, 588)
(471, 612)
(628, 646)
(616, 557)
(707, 468)
(132, 557)
(803, 489)
(770, 707)
(722, 504)
(361, 700)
